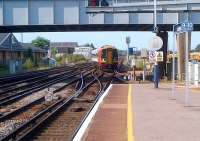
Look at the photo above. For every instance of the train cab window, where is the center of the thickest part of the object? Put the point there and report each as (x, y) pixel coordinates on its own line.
(104, 53)
(115, 55)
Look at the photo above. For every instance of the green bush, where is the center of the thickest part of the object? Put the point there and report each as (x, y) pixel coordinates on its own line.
(28, 64)
(75, 58)
(139, 65)
(70, 58)
(4, 70)
(60, 60)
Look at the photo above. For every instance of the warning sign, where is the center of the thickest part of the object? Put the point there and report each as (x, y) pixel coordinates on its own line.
(159, 56)
(152, 56)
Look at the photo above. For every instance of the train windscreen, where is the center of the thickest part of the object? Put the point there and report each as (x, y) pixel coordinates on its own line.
(104, 54)
(115, 55)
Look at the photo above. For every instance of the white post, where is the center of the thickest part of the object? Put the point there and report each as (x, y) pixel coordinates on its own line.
(127, 53)
(173, 64)
(155, 14)
(196, 75)
(186, 70)
(144, 68)
(22, 38)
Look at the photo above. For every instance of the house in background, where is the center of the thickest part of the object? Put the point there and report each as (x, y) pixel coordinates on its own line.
(13, 53)
(38, 53)
(64, 48)
(86, 51)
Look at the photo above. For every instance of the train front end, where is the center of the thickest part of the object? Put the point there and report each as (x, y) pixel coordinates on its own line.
(108, 58)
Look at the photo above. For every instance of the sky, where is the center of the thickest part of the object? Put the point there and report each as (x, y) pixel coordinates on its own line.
(117, 39)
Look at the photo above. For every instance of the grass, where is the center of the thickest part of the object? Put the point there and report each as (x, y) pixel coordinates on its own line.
(3, 71)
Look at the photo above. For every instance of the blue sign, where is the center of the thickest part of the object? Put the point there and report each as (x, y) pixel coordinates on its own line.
(130, 51)
(184, 27)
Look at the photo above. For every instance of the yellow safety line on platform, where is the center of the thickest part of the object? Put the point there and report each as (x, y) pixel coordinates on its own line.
(130, 115)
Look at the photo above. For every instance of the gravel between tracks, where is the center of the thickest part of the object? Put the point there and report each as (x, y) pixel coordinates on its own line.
(63, 126)
(9, 125)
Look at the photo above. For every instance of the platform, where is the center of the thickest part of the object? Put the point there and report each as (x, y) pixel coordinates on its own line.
(154, 117)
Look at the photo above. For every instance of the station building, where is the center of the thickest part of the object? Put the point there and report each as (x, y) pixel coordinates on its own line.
(13, 52)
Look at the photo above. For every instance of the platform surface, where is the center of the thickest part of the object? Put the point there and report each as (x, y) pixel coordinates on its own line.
(110, 120)
(155, 116)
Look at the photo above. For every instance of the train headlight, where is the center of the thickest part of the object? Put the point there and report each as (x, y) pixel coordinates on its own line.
(103, 60)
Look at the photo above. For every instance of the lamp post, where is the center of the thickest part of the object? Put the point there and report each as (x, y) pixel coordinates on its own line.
(155, 15)
(156, 67)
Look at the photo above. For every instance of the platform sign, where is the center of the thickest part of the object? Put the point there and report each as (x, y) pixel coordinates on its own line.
(184, 27)
(159, 56)
(152, 56)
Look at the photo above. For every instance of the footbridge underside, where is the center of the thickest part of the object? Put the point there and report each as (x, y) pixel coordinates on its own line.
(79, 15)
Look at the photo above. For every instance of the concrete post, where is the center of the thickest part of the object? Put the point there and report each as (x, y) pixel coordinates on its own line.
(181, 44)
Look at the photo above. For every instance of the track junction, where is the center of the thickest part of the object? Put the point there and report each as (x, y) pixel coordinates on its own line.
(50, 104)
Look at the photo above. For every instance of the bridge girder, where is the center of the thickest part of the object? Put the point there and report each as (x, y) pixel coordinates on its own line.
(74, 15)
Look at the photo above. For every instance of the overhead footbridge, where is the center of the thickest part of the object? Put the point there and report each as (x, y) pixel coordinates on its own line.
(95, 15)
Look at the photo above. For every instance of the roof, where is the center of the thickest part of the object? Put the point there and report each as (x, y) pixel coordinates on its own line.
(64, 44)
(3, 36)
(107, 46)
(26, 46)
(9, 42)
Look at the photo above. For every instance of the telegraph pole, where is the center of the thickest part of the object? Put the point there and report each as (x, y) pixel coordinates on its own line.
(128, 41)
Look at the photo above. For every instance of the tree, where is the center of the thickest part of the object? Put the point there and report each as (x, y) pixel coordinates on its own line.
(29, 54)
(197, 48)
(41, 42)
(86, 45)
(53, 52)
(92, 46)
(89, 45)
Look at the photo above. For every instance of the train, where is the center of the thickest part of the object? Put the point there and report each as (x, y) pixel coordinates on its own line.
(108, 58)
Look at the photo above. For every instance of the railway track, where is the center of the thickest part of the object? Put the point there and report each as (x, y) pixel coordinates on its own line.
(61, 119)
(25, 76)
(14, 108)
(12, 81)
(13, 94)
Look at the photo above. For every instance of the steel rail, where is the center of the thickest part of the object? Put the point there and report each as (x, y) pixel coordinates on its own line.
(60, 73)
(17, 96)
(41, 74)
(17, 111)
(37, 121)
(13, 113)
(99, 94)
(21, 76)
